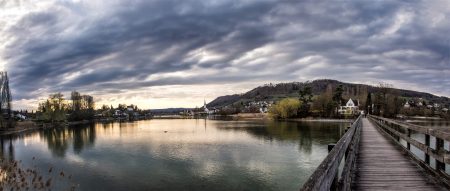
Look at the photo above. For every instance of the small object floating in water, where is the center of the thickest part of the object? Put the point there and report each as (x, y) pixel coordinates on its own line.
(61, 174)
(165, 131)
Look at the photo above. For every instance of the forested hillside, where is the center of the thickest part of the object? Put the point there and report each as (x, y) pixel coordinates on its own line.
(274, 92)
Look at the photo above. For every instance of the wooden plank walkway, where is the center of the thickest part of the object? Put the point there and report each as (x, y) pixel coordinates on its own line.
(382, 166)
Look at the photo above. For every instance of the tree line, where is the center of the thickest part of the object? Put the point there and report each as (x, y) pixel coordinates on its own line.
(57, 109)
(383, 102)
(82, 107)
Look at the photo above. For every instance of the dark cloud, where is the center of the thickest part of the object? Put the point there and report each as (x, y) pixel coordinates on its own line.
(128, 45)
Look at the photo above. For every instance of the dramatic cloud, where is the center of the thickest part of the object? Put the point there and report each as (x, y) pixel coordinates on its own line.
(169, 52)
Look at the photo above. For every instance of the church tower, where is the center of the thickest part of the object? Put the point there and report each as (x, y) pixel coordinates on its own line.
(204, 106)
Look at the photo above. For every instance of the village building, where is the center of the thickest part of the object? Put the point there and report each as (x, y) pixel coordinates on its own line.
(21, 116)
(207, 111)
(264, 109)
(407, 105)
(261, 106)
(350, 108)
(187, 112)
(264, 106)
(420, 104)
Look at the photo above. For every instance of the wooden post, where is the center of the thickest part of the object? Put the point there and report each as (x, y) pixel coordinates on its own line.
(427, 142)
(334, 185)
(440, 149)
(390, 126)
(397, 128)
(408, 145)
(330, 147)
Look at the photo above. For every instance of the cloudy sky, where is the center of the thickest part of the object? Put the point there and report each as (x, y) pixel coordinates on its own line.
(171, 53)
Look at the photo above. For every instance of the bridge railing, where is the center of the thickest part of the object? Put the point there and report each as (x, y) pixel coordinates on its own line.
(326, 176)
(402, 131)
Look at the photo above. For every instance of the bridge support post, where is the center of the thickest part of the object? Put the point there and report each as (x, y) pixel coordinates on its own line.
(440, 148)
(330, 147)
(397, 128)
(408, 145)
(427, 142)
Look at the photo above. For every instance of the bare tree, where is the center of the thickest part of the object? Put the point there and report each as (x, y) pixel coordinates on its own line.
(5, 102)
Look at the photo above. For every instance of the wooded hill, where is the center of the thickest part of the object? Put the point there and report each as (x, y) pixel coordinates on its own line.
(358, 92)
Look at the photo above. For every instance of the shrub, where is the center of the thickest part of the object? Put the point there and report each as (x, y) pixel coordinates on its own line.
(285, 108)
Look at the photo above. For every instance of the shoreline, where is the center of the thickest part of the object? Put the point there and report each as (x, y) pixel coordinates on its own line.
(18, 131)
(29, 126)
(24, 127)
(320, 120)
(265, 116)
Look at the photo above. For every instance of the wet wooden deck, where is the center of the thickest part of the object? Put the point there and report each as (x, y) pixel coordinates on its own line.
(381, 165)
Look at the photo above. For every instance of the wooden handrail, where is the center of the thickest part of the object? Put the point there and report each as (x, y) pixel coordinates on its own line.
(420, 129)
(326, 175)
(442, 156)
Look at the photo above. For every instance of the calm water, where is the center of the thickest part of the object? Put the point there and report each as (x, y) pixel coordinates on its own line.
(434, 124)
(184, 154)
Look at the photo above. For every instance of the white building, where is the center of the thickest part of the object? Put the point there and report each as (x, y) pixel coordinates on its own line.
(118, 113)
(407, 105)
(21, 117)
(205, 109)
(350, 108)
(209, 111)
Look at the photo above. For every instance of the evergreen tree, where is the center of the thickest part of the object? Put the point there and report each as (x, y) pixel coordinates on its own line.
(368, 106)
(305, 98)
(337, 97)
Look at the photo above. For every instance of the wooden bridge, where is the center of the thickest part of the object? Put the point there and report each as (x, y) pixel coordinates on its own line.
(375, 154)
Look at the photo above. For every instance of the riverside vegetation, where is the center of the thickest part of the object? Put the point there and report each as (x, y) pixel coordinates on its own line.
(13, 176)
(384, 102)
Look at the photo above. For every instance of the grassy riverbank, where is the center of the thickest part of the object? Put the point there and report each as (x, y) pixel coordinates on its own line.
(20, 127)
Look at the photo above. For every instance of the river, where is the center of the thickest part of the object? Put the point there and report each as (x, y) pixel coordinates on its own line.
(177, 154)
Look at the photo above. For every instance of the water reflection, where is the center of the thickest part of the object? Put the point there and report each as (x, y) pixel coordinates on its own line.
(191, 154)
(7, 150)
(440, 125)
(59, 139)
(303, 133)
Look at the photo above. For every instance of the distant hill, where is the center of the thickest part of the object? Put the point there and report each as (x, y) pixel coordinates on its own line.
(274, 92)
